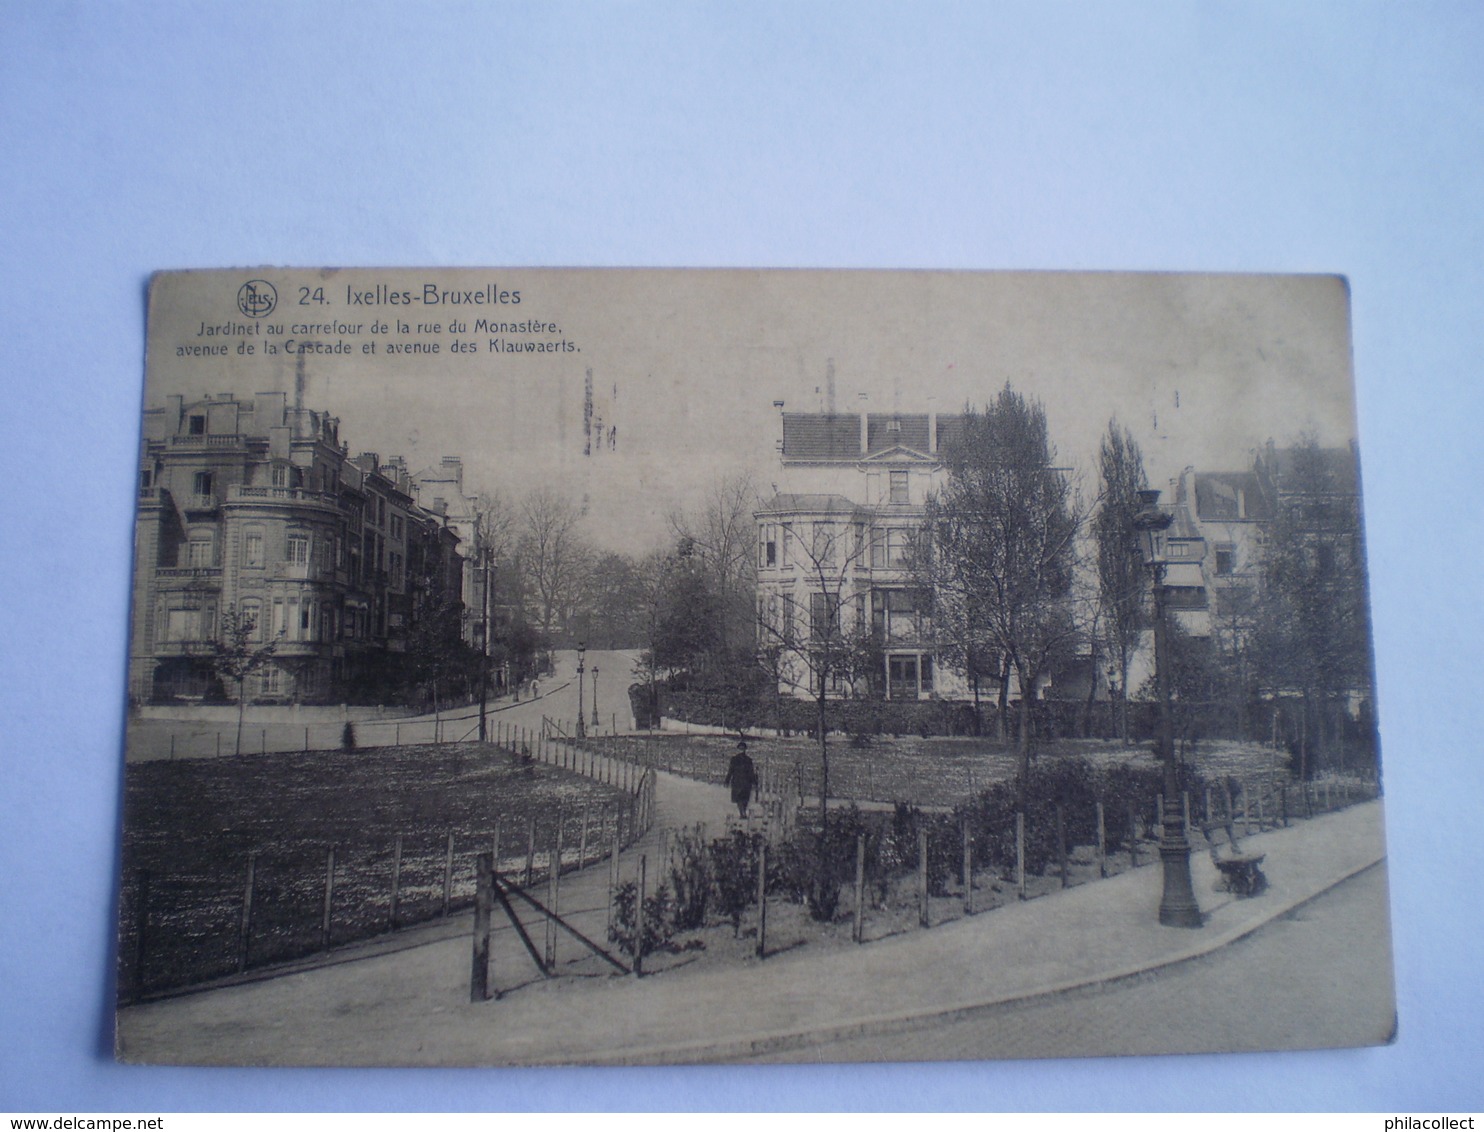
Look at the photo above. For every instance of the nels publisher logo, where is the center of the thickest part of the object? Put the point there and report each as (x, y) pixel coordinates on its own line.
(256, 298)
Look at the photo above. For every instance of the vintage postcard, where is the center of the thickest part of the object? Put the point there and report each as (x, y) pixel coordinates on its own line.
(659, 666)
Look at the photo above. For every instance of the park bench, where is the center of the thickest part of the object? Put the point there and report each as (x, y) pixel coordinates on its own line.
(1241, 873)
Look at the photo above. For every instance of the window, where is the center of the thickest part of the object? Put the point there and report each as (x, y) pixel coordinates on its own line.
(199, 550)
(788, 538)
(898, 547)
(1226, 560)
(824, 615)
(397, 528)
(280, 475)
(252, 616)
(824, 544)
(252, 546)
(201, 483)
(878, 549)
(182, 624)
(298, 550)
(198, 426)
(394, 568)
(790, 618)
(767, 551)
(899, 487)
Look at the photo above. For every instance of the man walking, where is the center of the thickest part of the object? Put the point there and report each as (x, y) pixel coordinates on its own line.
(741, 777)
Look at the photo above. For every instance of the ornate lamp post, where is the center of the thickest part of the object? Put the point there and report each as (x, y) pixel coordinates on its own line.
(581, 653)
(596, 721)
(1177, 906)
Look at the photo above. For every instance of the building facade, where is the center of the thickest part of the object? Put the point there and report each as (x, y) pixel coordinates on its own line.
(838, 598)
(253, 510)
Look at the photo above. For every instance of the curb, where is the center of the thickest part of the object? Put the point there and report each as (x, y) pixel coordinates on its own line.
(751, 1045)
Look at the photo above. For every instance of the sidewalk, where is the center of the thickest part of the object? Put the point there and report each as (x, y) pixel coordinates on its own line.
(411, 1007)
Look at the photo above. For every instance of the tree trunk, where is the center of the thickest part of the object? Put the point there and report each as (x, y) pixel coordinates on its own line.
(1023, 736)
(241, 708)
(824, 761)
(1002, 708)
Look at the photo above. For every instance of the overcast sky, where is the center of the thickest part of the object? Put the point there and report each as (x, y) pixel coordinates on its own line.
(686, 366)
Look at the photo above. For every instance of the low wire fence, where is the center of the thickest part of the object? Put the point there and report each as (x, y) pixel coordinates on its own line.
(220, 902)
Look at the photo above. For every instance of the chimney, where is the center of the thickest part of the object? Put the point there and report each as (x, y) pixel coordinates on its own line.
(778, 405)
(865, 432)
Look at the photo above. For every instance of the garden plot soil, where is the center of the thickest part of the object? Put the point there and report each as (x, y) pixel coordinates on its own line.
(192, 826)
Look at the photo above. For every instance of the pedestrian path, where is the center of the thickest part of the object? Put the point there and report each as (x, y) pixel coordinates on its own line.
(412, 1007)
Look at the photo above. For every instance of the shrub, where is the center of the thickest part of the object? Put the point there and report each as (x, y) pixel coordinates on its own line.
(659, 919)
(733, 869)
(690, 879)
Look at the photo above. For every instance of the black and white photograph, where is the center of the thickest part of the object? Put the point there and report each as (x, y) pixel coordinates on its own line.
(628, 667)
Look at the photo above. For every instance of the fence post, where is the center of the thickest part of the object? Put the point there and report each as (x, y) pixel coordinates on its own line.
(612, 863)
(860, 888)
(639, 922)
(582, 840)
(324, 928)
(448, 875)
(1061, 845)
(762, 899)
(1020, 854)
(1133, 838)
(923, 917)
(141, 928)
(530, 850)
(1102, 843)
(968, 872)
(396, 881)
(245, 935)
(553, 875)
(484, 884)
(495, 849)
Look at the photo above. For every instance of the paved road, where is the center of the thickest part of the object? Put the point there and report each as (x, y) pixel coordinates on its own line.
(1320, 976)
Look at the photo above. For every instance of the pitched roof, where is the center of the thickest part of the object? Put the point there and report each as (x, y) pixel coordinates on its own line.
(836, 437)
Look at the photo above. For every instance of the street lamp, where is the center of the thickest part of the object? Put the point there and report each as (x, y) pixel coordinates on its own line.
(1177, 906)
(581, 653)
(596, 721)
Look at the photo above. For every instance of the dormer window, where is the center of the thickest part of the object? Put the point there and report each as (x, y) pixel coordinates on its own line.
(197, 425)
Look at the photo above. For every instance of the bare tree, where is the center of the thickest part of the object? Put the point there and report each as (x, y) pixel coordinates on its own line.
(723, 534)
(826, 648)
(554, 557)
(239, 653)
(1004, 529)
(1122, 575)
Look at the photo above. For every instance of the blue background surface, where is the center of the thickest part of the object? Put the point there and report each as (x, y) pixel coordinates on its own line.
(1305, 137)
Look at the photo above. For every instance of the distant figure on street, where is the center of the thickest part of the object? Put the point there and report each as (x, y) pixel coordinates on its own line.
(741, 777)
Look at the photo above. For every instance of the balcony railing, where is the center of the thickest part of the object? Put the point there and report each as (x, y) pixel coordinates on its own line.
(202, 503)
(243, 493)
(207, 440)
(188, 572)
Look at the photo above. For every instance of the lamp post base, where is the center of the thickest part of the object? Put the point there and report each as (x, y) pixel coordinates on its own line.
(1177, 906)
